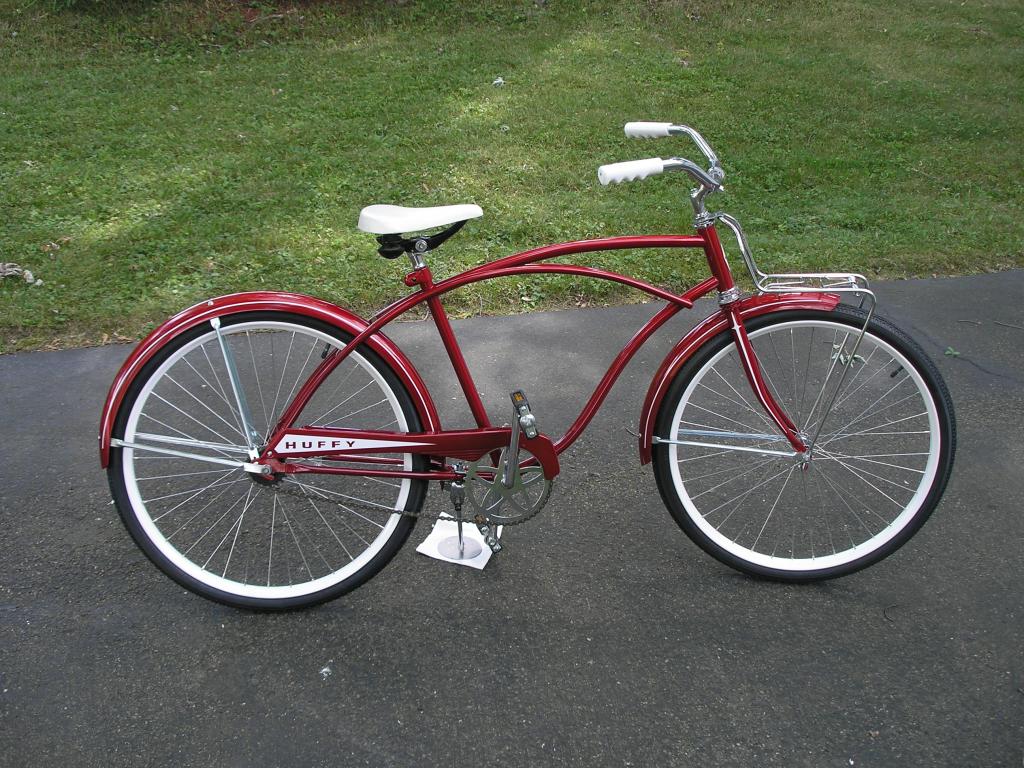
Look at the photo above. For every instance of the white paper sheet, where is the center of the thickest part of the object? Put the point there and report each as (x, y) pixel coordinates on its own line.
(445, 528)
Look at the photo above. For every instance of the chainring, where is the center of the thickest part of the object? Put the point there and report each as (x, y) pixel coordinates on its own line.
(502, 505)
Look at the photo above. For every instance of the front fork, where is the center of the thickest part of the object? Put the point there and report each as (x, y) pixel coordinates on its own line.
(752, 369)
(729, 296)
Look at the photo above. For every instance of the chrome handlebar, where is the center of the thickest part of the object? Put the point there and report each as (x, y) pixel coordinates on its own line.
(711, 178)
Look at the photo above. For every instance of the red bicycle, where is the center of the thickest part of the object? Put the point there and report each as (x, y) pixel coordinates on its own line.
(272, 450)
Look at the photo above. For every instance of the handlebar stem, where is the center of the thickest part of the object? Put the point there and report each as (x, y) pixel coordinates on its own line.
(708, 181)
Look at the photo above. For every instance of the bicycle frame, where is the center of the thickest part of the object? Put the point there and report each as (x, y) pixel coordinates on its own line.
(289, 441)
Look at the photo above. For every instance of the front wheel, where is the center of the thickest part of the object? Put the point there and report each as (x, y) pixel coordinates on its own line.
(247, 540)
(875, 472)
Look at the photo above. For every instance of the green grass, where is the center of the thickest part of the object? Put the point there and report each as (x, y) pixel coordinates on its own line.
(182, 150)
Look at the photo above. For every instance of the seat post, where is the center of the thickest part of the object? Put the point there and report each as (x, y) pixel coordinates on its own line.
(419, 247)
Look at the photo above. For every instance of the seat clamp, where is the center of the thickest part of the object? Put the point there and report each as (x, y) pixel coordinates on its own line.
(416, 257)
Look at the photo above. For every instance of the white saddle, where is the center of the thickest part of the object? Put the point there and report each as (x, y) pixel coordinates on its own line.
(396, 219)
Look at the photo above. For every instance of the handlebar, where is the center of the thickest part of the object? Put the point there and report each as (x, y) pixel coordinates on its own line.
(632, 170)
(659, 130)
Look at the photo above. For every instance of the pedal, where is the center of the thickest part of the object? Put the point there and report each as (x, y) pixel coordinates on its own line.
(487, 532)
(527, 421)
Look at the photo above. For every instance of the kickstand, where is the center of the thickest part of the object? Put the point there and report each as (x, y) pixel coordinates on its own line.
(458, 547)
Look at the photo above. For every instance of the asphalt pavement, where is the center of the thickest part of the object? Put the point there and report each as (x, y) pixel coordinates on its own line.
(600, 637)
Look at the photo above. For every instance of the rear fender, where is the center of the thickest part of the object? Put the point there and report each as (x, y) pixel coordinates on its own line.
(262, 301)
(707, 329)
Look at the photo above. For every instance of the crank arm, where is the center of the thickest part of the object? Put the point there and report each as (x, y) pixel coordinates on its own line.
(523, 421)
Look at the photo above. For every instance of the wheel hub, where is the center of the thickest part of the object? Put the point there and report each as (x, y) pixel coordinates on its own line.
(272, 478)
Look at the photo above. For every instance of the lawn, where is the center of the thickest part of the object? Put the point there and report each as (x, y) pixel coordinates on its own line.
(152, 157)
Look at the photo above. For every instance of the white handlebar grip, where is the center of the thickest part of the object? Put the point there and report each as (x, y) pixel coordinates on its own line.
(630, 170)
(647, 130)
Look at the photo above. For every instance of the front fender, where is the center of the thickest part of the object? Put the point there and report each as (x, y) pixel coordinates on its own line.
(707, 329)
(256, 301)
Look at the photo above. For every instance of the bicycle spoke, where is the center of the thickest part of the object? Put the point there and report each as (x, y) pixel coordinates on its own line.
(828, 377)
(184, 474)
(860, 473)
(337, 388)
(162, 399)
(807, 376)
(734, 478)
(298, 376)
(749, 491)
(828, 526)
(841, 495)
(726, 418)
(273, 524)
(326, 492)
(217, 521)
(774, 505)
(238, 530)
(259, 383)
(776, 393)
(224, 489)
(871, 430)
(719, 472)
(759, 412)
(189, 442)
(705, 456)
(871, 459)
(284, 367)
(850, 393)
(336, 407)
(331, 529)
(209, 386)
(863, 414)
(312, 542)
(347, 416)
(194, 491)
(782, 368)
(298, 546)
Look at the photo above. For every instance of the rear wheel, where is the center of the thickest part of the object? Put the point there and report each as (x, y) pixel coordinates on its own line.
(261, 542)
(876, 472)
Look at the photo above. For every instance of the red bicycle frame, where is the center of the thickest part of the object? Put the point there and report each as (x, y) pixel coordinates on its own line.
(366, 446)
